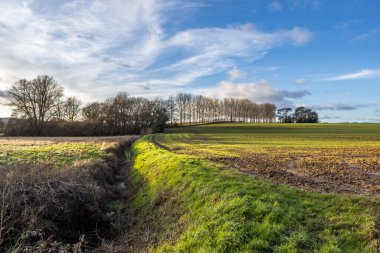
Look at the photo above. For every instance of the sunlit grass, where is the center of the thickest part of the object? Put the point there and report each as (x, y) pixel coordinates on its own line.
(52, 152)
(328, 144)
(187, 204)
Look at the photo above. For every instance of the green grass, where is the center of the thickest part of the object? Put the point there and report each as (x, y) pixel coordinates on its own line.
(233, 139)
(187, 204)
(285, 135)
(56, 154)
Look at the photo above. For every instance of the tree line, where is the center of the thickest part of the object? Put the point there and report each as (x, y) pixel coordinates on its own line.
(39, 108)
(301, 114)
(186, 108)
(124, 114)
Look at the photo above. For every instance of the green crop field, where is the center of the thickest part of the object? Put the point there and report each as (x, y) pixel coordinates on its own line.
(257, 188)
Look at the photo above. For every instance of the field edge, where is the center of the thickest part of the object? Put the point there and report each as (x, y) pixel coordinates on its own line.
(192, 205)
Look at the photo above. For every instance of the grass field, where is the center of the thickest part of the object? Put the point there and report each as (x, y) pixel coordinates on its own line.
(54, 151)
(196, 192)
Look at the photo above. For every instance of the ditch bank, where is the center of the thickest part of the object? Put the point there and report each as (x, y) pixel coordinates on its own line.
(72, 209)
(185, 204)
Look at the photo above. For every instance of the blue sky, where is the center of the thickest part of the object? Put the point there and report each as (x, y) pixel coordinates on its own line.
(318, 53)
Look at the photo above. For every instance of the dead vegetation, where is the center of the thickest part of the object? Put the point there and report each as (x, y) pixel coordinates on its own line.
(61, 210)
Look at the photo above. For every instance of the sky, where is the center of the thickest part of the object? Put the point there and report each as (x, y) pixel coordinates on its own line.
(318, 53)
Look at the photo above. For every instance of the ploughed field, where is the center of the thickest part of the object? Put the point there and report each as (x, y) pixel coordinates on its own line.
(343, 158)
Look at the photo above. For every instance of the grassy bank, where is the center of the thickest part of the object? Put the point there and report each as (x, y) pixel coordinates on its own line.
(186, 204)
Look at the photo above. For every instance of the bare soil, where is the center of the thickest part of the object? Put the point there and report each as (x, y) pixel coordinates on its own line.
(344, 178)
(309, 172)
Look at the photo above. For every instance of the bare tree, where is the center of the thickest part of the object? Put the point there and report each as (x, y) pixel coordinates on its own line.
(94, 112)
(2, 126)
(269, 112)
(71, 108)
(181, 103)
(118, 117)
(35, 100)
(171, 108)
(199, 109)
(187, 109)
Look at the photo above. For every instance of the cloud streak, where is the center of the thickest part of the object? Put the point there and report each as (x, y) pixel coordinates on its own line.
(340, 107)
(362, 74)
(300, 81)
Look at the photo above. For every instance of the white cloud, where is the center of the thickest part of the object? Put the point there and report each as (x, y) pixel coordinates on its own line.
(300, 81)
(236, 40)
(96, 49)
(334, 107)
(260, 92)
(236, 73)
(362, 74)
(341, 107)
(213, 50)
(73, 43)
(300, 36)
(275, 6)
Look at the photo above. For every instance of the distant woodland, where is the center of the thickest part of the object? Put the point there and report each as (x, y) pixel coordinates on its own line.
(40, 109)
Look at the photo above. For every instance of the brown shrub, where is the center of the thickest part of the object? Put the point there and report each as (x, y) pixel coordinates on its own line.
(58, 210)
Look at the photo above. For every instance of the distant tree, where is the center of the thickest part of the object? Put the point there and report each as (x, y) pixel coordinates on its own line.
(284, 115)
(94, 112)
(171, 108)
(159, 115)
(57, 113)
(181, 104)
(188, 107)
(71, 108)
(194, 109)
(116, 112)
(229, 110)
(2, 126)
(313, 117)
(269, 112)
(305, 115)
(39, 102)
(35, 100)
